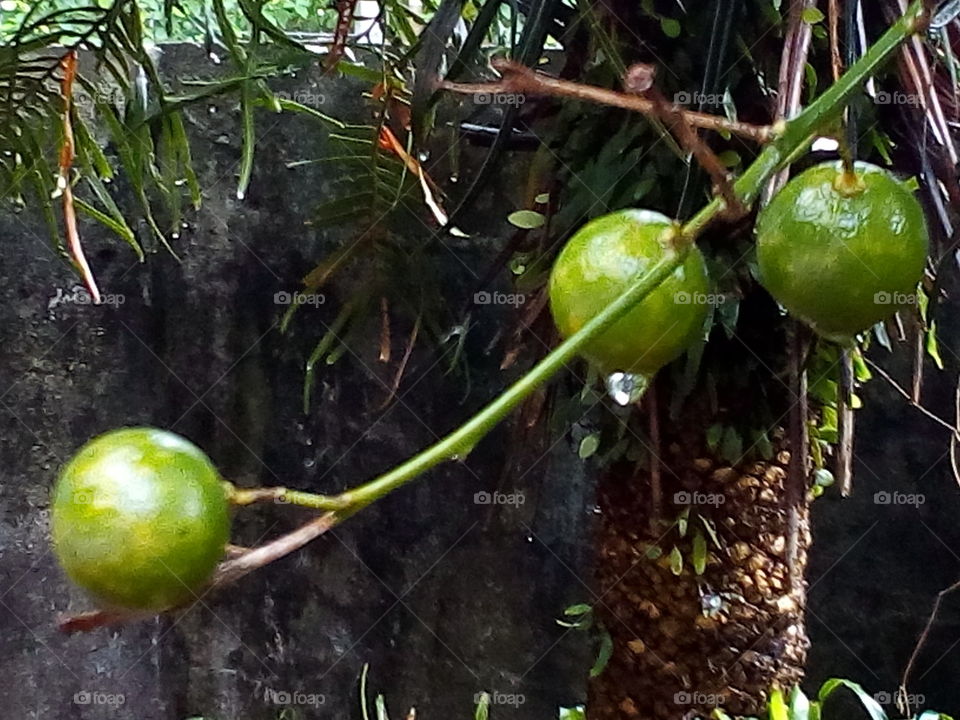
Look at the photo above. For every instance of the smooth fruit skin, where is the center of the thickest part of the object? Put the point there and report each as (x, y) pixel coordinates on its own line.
(140, 518)
(600, 262)
(842, 259)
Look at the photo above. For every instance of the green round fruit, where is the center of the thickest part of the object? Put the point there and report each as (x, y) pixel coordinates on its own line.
(600, 262)
(842, 253)
(140, 518)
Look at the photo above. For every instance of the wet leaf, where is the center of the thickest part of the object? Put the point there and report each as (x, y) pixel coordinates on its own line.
(676, 561)
(698, 556)
(671, 28)
(870, 705)
(777, 706)
(603, 654)
(589, 445)
(526, 219)
(731, 448)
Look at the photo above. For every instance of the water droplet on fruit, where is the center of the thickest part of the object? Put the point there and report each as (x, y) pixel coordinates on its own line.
(625, 388)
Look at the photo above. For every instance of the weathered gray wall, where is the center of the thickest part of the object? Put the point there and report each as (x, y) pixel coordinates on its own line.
(441, 596)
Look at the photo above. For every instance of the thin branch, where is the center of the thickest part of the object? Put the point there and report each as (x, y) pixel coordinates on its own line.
(67, 151)
(796, 48)
(229, 571)
(519, 79)
(833, 20)
(395, 385)
(639, 79)
(656, 480)
(920, 643)
(845, 423)
(798, 468)
(896, 386)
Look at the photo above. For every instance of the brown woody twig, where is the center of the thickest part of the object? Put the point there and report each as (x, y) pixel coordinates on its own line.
(520, 79)
(229, 571)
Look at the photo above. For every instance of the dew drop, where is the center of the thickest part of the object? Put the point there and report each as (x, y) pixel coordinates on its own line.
(626, 388)
(309, 463)
(423, 155)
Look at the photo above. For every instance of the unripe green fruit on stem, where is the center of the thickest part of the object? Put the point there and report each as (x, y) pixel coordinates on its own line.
(600, 261)
(842, 252)
(140, 519)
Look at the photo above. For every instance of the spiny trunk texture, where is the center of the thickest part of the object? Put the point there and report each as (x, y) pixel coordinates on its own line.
(684, 644)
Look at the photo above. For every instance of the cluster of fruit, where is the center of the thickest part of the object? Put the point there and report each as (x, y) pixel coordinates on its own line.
(839, 250)
(141, 517)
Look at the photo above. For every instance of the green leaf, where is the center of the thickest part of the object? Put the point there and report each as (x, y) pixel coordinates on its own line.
(870, 705)
(813, 15)
(676, 561)
(526, 219)
(799, 705)
(589, 445)
(729, 158)
(542, 198)
(117, 226)
(823, 477)
(711, 531)
(482, 711)
(578, 712)
(603, 654)
(714, 435)
(777, 707)
(933, 347)
(578, 609)
(671, 28)
(699, 554)
(731, 448)
(682, 521)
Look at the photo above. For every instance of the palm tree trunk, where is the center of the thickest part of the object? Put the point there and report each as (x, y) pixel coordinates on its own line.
(685, 642)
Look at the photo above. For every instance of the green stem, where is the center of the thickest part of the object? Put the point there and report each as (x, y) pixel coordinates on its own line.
(792, 139)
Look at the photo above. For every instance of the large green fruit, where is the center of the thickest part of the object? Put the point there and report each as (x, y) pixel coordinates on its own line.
(600, 262)
(140, 518)
(839, 252)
